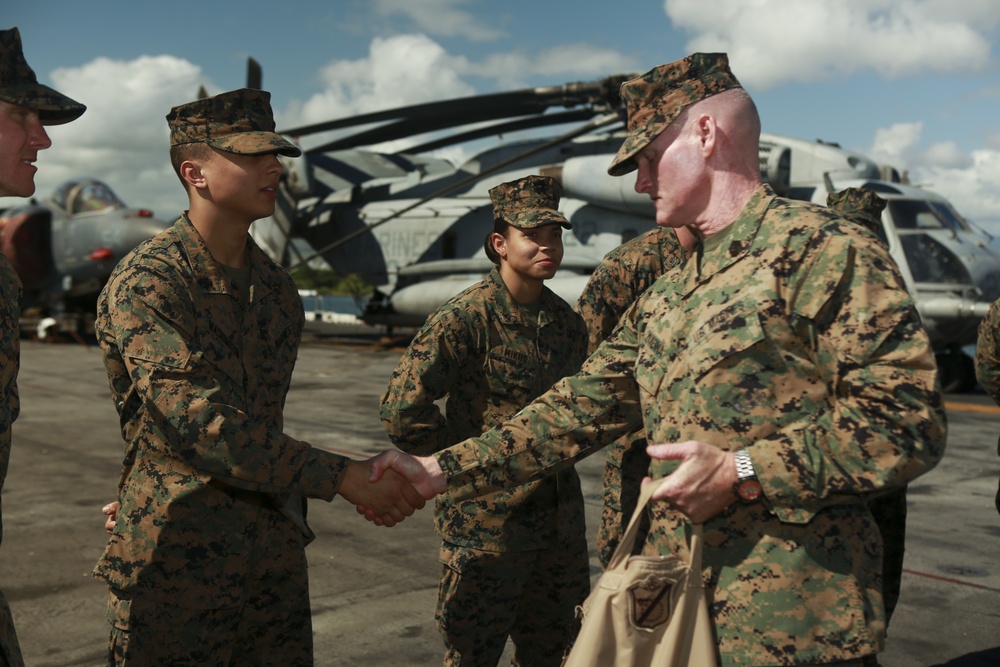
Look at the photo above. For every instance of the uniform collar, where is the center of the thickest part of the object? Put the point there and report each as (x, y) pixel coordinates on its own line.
(209, 273)
(508, 310)
(725, 248)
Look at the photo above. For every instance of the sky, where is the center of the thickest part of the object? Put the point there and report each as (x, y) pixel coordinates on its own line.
(910, 83)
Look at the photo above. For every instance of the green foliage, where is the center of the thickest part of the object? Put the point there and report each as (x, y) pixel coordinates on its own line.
(326, 281)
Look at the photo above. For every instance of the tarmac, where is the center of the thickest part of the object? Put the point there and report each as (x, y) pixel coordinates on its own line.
(373, 589)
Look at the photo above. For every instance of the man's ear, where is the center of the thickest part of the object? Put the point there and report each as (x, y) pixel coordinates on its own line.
(705, 128)
(192, 174)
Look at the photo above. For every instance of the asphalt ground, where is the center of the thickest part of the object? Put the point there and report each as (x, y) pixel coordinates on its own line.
(373, 589)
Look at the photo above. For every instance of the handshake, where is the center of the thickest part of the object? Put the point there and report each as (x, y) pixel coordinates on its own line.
(391, 486)
(386, 488)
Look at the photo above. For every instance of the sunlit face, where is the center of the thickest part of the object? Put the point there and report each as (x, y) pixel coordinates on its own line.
(532, 254)
(245, 186)
(671, 170)
(21, 137)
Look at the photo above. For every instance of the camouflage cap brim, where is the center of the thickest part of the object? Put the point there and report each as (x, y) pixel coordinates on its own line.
(256, 143)
(538, 218)
(53, 107)
(655, 100)
(19, 85)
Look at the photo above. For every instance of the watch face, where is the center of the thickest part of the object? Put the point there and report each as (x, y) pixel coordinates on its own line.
(749, 490)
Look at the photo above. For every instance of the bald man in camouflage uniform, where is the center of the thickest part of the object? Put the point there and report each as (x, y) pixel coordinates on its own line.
(515, 561)
(200, 330)
(26, 107)
(782, 366)
(622, 276)
(988, 361)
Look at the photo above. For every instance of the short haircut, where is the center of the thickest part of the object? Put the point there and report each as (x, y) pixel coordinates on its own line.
(182, 152)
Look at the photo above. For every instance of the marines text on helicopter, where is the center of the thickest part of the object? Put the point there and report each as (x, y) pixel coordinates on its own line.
(411, 223)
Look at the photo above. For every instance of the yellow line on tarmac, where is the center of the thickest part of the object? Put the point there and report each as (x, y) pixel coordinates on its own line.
(972, 407)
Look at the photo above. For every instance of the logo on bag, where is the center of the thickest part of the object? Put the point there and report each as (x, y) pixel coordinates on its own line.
(650, 600)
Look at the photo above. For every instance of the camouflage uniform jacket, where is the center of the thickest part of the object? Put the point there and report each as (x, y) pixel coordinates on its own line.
(481, 352)
(10, 405)
(988, 352)
(623, 274)
(199, 380)
(789, 334)
(988, 362)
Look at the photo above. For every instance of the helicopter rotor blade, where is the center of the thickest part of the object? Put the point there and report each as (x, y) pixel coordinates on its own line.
(602, 121)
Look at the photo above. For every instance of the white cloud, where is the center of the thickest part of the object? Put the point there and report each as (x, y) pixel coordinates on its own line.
(968, 180)
(441, 17)
(558, 63)
(400, 70)
(779, 41)
(122, 138)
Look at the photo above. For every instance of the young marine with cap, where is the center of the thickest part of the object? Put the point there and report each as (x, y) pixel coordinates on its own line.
(26, 107)
(200, 330)
(515, 561)
(782, 369)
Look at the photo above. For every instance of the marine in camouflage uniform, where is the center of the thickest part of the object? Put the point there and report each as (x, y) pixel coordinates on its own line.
(515, 561)
(988, 361)
(889, 510)
(787, 334)
(19, 87)
(206, 562)
(623, 274)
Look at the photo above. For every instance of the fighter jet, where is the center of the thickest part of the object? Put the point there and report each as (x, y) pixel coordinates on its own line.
(65, 247)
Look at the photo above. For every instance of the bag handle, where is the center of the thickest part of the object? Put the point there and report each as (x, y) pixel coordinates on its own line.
(631, 534)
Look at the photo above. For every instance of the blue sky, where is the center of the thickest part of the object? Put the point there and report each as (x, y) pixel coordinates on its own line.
(912, 83)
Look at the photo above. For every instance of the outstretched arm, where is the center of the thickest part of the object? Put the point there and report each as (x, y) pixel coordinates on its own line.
(421, 473)
(389, 497)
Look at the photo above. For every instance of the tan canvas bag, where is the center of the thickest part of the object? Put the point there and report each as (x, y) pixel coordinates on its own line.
(646, 610)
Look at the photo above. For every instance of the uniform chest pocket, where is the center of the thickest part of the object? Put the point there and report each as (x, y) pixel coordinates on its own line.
(734, 345)
(511, 375)
(730, 351)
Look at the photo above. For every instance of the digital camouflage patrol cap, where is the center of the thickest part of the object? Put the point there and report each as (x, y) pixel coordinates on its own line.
(239, 121)
(19, 85)
(859, 205)
(655, 99)
(529, 202)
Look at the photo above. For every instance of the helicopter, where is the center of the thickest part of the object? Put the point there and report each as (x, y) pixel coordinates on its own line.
(411, 223)
(64, 248)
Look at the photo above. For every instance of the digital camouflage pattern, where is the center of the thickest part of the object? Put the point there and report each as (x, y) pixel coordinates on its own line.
(859, 205)
(199, 379)
(864, 207)
(10, 407)
(655, 99)
(482, 352)
(514, 593)
(19, 85)
(789, 334)
(529, 202)
(239, 121)
(623, 274)
(273, 626)
(490, 357)
(988, 361)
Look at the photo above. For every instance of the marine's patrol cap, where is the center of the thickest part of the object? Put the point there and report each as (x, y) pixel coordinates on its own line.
(859, 205)
(529, 202)
(655, 99)
(239, 121)
(19, 85)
